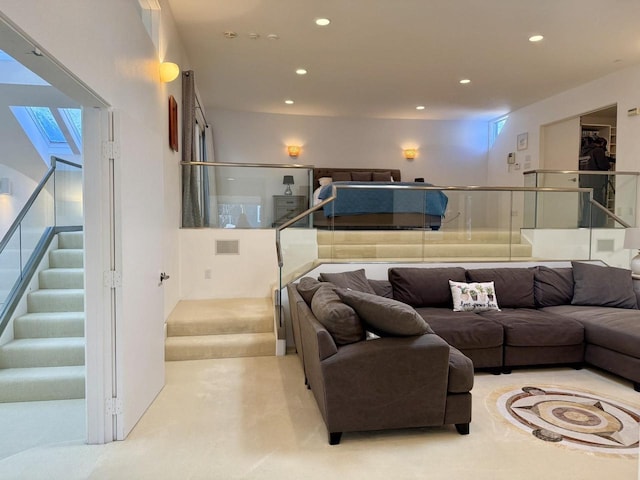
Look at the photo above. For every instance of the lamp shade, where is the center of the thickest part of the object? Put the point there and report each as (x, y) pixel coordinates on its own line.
(632, 238)
(287, 180)
(168, 72)
(410, 153)
(293, 150)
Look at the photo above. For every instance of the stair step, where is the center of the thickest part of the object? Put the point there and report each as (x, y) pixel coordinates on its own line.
(221, 316)
(56, 300)
(42, 352)
(61, 278)
(73, 240)
(49, 325)
(42, 383)
(220, 346)
(66, 258)
(420, 251)
(365, 237)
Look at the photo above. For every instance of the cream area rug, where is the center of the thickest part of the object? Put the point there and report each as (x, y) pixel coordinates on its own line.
(572, 418)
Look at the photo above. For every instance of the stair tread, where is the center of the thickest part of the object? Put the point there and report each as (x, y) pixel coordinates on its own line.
(58, 291)
(221, 316)
(42, 372)
(49, 342)
(52, 315)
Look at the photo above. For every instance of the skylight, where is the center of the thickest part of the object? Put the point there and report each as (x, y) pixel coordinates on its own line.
(14, 73)
(48, 126)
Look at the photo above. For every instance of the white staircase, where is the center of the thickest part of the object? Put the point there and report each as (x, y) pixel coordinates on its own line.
(45, 361)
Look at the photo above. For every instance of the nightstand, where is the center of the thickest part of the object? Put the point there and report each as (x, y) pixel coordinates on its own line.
(285, 207)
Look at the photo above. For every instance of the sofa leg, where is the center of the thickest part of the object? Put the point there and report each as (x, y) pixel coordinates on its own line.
(578, 366)
(462, 428)
(636, 386)
(334, 438)
(506, 370)
(306, 382)
(495, 370)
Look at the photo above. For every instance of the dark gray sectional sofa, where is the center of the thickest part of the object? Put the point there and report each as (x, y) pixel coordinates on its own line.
(587, 314)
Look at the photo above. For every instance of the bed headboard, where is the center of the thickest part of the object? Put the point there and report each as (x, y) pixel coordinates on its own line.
(328, 172)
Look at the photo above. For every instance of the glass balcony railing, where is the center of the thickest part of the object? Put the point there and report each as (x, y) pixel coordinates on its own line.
(242, 195)
(54, 205)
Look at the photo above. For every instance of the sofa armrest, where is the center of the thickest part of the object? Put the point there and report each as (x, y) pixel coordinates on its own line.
(391, 382)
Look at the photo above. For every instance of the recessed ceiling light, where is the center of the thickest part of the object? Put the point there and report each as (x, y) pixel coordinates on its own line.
(289, 102)
(230, 34)
(420, 107)
(273, 36)
(535, 38)
(464, 81)
(301, 71)
(322, 22)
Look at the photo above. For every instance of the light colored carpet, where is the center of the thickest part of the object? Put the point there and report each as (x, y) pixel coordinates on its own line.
(253, 418)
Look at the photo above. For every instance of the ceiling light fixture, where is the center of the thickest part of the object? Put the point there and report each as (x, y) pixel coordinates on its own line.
(322, 22)
(535, 38)
(301, 71)
(273, 36)
(465, 81)
(230, 34)
(289, 102)
(420, 107)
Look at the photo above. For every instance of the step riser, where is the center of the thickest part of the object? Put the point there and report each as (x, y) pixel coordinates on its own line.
(36, 328)
(61, 278)
(71, 240)
(66, 258)
(203, 327)
(404, 251)
(41, 357)
(24, 390)
(413, 237)
(203, 352)
(55, 301)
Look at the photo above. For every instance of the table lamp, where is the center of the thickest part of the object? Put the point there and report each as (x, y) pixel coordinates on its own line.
(632, 242)
(288, 181)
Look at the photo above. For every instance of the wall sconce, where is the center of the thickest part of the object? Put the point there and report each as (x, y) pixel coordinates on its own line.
(288, 181)
(410, 153)
(293, 151)
(5, 186)
(169, 72)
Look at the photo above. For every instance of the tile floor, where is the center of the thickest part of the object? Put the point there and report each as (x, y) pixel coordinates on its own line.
(253, 418)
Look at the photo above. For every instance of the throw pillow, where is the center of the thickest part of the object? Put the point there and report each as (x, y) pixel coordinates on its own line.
(341, 176)
(473, 297)
(361, 176)
(355, 280)
(307, 288)
(552, 286)
(322, 181)
(514, 286)
(424, 287)
(340, 320)
(381, 176)
(382, 288)
(602, 286)
(385, 316)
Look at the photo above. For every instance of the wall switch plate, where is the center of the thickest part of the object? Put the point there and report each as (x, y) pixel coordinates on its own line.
(511, 158)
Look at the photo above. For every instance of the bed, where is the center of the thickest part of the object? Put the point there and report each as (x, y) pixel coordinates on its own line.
(375, 208)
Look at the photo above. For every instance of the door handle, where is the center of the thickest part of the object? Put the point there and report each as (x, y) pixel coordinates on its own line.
(163, 277)
(573, 179)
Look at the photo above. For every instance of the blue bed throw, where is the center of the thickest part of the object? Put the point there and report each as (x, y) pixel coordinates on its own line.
(360, 201)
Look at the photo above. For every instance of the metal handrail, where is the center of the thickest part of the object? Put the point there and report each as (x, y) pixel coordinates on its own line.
(609, 213)
(584, 172)
(55, 160)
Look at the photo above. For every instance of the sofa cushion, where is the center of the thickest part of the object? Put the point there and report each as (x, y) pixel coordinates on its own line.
(340, 320)
(355, 280)
(616, 329)
(528, 327)
(463, 330)
(385, 316)
(381, 176)
(341, 176)
(602, 286)
(424, 287)
(307, 288)
(514, 286)
(473, 297)
(382, 288)
(552, 286)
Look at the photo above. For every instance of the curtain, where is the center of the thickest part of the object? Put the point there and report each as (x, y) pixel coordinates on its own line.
(210, 207)
(191, 215)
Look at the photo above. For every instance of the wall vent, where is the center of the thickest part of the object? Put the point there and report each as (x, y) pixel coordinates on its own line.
(227, 247)
(605, 245)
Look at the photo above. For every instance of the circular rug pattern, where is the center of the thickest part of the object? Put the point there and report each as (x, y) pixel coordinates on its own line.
(573, 418)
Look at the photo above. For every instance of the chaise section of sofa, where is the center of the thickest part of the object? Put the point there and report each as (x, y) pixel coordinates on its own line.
(385, 383)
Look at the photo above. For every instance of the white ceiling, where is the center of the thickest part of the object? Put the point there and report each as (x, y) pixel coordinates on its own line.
(381, 58)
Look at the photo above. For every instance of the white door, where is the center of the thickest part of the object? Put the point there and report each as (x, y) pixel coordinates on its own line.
(139, 327)
(560, 151)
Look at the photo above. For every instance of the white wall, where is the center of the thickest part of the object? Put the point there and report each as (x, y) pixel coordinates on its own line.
(619, 88)
(449, 152)
(10, 205)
